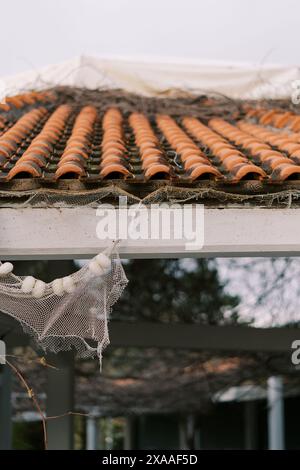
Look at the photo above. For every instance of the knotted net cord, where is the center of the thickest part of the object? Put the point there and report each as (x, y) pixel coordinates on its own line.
(67, 313)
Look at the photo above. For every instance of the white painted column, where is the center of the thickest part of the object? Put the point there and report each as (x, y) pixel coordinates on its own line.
(60, 400)
(5, 408)
(275, 414)
(189, 434)
(91, 433)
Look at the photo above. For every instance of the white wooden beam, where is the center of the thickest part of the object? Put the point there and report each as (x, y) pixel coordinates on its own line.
(37, 233)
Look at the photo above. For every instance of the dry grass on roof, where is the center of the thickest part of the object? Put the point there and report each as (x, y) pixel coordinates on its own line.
(175, 102)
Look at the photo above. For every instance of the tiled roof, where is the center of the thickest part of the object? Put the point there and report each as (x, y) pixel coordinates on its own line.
(11, 103)
(45, 138)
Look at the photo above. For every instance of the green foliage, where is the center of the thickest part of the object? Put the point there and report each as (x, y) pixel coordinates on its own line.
(188, 291)
(28, 436)
(45, 270)
(111, 433)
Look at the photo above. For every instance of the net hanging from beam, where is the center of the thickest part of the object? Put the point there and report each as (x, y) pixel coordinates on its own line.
(70, 312)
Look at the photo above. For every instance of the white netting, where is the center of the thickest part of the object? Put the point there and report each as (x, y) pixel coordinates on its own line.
(70, 312)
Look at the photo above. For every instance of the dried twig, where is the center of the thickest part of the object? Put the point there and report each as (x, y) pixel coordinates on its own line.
(32, 396)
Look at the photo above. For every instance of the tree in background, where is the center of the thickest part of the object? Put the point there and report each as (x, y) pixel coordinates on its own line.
(164, 290)
(173, 290)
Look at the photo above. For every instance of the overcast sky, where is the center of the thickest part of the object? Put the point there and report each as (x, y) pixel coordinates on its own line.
(35, 33)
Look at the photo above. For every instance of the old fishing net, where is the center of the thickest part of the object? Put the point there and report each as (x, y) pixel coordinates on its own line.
(70, 312)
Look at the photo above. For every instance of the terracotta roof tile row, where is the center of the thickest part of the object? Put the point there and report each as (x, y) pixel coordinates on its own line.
(234, 162)
(275, 117)
(113, 146)
(38, 153)
(289, 143)
(195, 162)
(77, 150)
(83, 142)
(275, 163)
(25, 99)
(18, 133)
(154, 162)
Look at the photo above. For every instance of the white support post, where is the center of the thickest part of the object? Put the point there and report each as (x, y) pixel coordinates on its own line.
(60, 400)
(275, 413)
(5, 408)
(189, 434)
(91, 433)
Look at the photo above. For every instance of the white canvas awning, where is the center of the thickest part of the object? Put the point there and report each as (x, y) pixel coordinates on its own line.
(147, 77)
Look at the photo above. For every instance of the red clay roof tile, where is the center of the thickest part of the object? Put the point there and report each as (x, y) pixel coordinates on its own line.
(41, 137)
